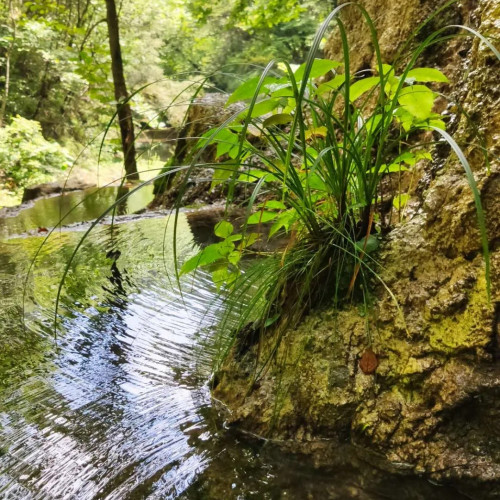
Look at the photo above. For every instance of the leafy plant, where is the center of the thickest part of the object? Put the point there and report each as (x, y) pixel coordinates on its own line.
(325, 167)
(314, 145)
(26, 157)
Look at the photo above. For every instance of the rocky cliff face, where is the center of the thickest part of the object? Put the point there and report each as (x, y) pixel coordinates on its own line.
(432, 405)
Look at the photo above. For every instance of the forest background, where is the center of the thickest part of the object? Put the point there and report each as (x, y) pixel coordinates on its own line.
(56, 85)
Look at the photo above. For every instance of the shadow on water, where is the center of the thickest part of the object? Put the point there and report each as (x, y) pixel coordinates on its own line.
(117, 405)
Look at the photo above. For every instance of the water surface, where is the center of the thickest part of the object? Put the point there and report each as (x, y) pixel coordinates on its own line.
(112, 402)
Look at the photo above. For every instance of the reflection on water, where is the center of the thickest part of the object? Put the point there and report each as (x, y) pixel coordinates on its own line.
(117, 406)
(75, 206)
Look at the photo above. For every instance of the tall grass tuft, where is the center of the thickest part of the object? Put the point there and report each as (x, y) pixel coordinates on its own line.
(314, 144)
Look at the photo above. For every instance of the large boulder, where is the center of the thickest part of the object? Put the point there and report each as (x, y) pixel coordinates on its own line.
(417, 380)
(204, 113)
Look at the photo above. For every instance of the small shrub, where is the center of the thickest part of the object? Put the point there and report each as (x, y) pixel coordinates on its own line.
(26, 157)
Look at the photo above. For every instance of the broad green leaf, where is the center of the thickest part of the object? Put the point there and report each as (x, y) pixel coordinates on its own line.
(247, 89)
(278, 119)
(275, 228)
(219, 276)
(273, 204)
(437, 123)
(285, 220)
(281, 90)
(315, 182)
(222, 275)
(223, 229)
(226, 141)
(278, 87)
(400, 201)
(211, 253)
(387, 68)
(407, 157)
(372, 123)
(316, 132)
(410, 158)
(312, 152)
(390, 78)
(393, 167)
(250, 239)
(223, 173)
(234, 258)
(405, 118)
(224, 135)
(333, 84)
(264, 107)
(253, 175)
(261, 216)
(235, 237)
(423, 155)
(291, 105)
(319, 68)
(417, 100)
(426, 75)
(357, 89)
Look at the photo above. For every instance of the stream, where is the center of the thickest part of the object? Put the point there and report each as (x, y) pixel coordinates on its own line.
(112, 401)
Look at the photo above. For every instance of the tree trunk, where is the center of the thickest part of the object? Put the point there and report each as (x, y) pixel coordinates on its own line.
(121, 95)
(7, 67)
(7, 84)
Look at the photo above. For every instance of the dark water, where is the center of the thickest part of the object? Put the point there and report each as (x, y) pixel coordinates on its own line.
(114, 404)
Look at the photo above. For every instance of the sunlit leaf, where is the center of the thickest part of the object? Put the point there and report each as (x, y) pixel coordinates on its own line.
(357, 89)
(254, 175)
(247, 89)
(285, 220)
(249, 240)
(319, 68)
(273, 204)
(234, 258)
(400, 201)
(223, 173)
(426, 75)
(316, 132)
(261, 216)
(417, 100)
(333, 84)
(223, 229)
(278, 119)
(211, 253)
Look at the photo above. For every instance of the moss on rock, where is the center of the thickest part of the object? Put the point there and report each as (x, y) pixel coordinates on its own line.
(430, 404)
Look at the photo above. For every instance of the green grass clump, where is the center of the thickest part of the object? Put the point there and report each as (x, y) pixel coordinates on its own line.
(314, 145)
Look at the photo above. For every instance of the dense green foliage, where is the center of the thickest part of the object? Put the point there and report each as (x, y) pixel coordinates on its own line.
(322, 151)
(26, 157)
(55, 65)
(59, 68)
(237, 38)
